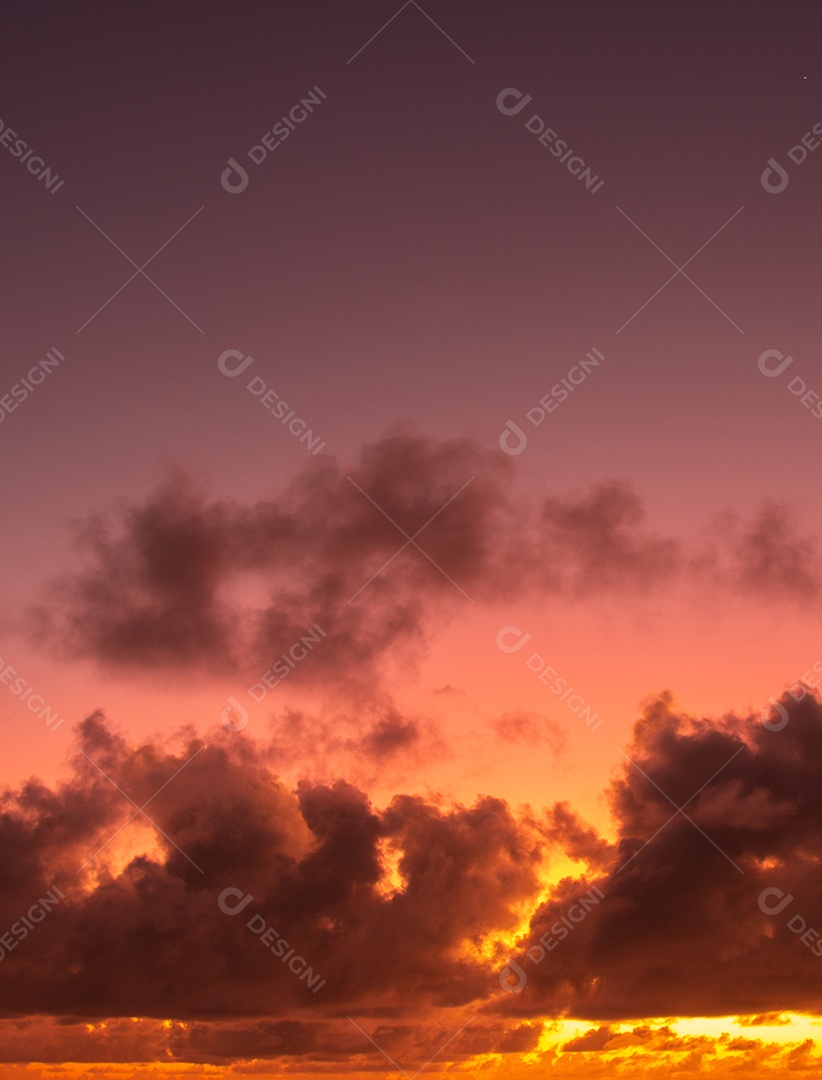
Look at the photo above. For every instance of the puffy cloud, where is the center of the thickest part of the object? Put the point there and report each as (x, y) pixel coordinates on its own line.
(709, 815)
(768, 555)
(377, 556)
(169, 584)
(404, 911)
(142, 934)
(597, 542)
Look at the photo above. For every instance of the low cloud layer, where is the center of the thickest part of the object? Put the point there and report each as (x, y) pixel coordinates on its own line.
(412, 910)
(149, 938)
(685, 925)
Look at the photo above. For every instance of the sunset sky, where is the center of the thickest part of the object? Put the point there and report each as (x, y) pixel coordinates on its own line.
(410, 618)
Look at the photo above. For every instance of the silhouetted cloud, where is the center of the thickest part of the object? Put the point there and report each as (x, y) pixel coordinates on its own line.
(148, 938)
(680, 930)
(186, 583)
(405, 911)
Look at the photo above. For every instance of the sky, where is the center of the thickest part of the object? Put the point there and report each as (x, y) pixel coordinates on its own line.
(409, 621)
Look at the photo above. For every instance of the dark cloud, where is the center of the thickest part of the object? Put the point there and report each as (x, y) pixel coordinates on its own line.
(162, 586)
(404, 911)
(389, 735)
(597, 542)
(577, 839)
(680, 930)
(773, 1018)
(766, 556)
(184, 582)
(268, 1046)
(143, 934)
(595, 1039)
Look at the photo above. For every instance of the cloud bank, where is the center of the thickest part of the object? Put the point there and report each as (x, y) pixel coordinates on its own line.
(416, 907)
